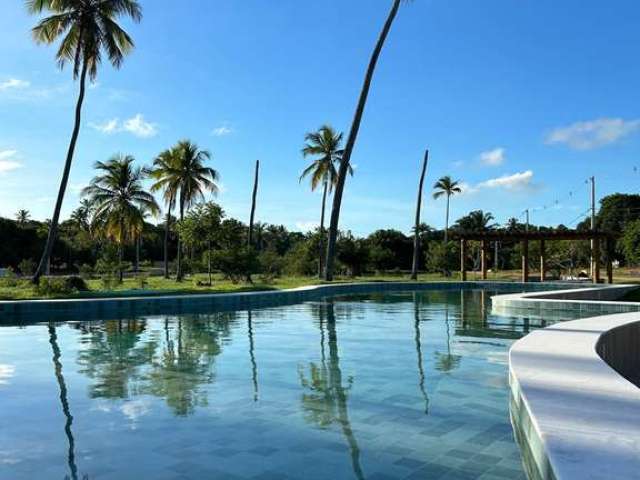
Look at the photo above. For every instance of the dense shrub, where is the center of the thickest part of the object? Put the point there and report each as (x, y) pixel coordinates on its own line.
(236, 264)
(271, 264)
(442, 257)
(50, 286)
(27, 267)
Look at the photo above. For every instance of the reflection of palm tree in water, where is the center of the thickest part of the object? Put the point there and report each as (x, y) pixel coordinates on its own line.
(71, 458)
(328, 401)
(446, 362)
(252, 356)
(421, 375)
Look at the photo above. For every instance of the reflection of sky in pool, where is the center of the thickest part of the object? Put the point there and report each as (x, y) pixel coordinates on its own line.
(393, 386)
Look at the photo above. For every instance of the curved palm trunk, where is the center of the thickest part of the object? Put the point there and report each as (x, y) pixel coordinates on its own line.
(253, 204)
(53, 229)
(252, 357)
(167, 226)
(418, 341)
(71, 458)
(416, 234)
(351, 140)
(446, 220)
(321, 242)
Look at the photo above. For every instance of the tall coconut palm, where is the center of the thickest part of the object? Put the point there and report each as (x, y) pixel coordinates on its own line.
(446, 186)
(119, 199)
(185, 179)
(324, 145)
(86, 29)
(351, 139)
(162, 171)
(23, 217)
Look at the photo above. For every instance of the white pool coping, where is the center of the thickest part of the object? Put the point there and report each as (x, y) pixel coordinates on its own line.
(582, 417)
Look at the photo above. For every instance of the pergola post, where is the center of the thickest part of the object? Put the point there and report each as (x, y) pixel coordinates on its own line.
(483, 258)
(525, 260)
(463, 256)
(543, 261)
(609, 248)
(595, 254)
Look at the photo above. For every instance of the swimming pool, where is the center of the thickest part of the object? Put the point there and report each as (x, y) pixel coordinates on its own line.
(403, 385)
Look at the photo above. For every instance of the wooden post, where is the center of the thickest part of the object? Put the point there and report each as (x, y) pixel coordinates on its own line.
(525, 261)
(596, 260)
(463, 256)
(483, 258)
(543, 261)
(609, 247)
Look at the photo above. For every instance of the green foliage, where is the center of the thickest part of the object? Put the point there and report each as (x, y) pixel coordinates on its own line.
(353, 254)
(108, 266)
(55, 286)
(27, 267)
(302, 259)
(142, 281)
(630, 242)
(236, 264)
(442, 257)
(86, 271)
(10, 279)
(271, 264)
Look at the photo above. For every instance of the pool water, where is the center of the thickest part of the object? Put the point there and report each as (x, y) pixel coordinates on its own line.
(395, 386)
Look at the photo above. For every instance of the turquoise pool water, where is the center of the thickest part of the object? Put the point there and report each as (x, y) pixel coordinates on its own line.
(378, 387)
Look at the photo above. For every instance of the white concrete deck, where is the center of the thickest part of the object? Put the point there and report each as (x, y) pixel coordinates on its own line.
(582, 418)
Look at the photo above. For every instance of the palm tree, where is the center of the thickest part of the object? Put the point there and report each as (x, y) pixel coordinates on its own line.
(446, 186)
(23, 217)
(86, 29)
(184, 178)
(325, 146)
(416, 228)
(351, 139)
(164, 167)
(82, 215)
(119, 199)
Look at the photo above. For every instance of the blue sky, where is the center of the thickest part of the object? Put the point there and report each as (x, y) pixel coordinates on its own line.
(521, 100)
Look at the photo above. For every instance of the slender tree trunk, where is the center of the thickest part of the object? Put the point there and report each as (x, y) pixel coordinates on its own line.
(120, 258)
(53, 229)
(253, 205)
(351, 140)
(209, 263)
(64, 400)
(137, 253)
(416, 234)
(179, 274)
(321, 242)
(167, 227)
(446, 221)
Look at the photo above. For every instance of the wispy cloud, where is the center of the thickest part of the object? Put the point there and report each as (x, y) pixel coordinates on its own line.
(136, 125)
(494, 157)
(516, 182)
(593, 134)
(14, 83)
(222, 131)
(8, 161)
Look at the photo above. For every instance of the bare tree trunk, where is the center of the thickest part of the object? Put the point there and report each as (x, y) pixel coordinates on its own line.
(253, 204)
(416, 234)
(179, 274)
(321, 242)
(120, 258)
(209, 262)
(351, 140)
(138, 239)
(43, 266)
(446, 221)
(167, 227)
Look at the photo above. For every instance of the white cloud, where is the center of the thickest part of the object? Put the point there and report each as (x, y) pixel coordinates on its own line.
(14, 83)
(593, 134)
(307, 226)
(6, 372)
(136, 125)
(493, 157)
(8, 162)
(139, 127)
(517, 181)
(222, 131)
(108, 126)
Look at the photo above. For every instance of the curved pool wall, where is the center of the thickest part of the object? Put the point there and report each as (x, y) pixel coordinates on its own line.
(16, 312)
(574, 408)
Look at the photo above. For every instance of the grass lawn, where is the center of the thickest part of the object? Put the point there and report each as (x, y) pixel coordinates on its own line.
(158, 285)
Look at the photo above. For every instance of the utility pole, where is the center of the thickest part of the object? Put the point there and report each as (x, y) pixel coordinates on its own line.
(592, 179)
(527, 220)
(495, 255)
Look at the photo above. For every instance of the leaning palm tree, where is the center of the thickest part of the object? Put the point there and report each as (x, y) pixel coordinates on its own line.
(165, 165)
(119, 199)
(23, 217)
(87, 28)
(324, 145)
(190, 179)
(446, 186)
(351, 139)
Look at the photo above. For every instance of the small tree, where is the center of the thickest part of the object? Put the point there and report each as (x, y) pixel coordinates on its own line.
(630, 243)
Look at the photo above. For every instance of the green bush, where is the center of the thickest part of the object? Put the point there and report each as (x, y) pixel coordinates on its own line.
(85, 271)
(51, 286)
(142, 281)
(27, 267)
(236, 264)
(10, 279)
(271, 264)
(302, 259)
(442, 257)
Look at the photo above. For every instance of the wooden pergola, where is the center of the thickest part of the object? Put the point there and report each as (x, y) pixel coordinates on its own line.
(485, 238)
